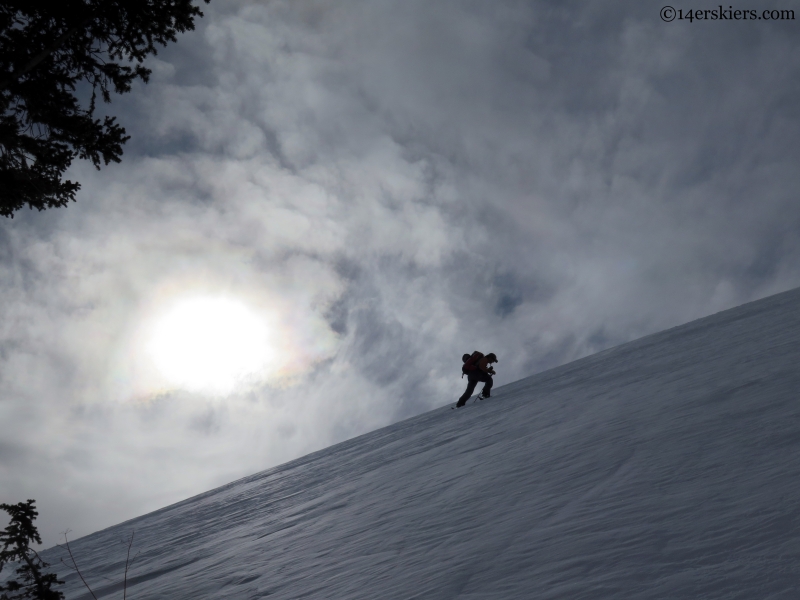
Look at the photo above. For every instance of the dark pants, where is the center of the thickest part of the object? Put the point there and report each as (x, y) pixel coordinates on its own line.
(474, 378)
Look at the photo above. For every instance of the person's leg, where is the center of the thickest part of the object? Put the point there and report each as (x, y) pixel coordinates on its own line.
(471, 383)
(487, 387)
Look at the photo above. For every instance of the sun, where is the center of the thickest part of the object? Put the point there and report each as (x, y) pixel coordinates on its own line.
(211, 345)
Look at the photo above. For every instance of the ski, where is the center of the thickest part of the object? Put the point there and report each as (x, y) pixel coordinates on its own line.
(473, 401)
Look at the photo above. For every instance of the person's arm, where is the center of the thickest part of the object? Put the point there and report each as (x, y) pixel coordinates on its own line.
(483, 365)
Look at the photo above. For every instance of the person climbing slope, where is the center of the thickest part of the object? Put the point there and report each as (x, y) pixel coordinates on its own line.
(477, 367)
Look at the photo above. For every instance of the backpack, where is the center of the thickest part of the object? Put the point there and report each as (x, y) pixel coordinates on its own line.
(471, 363)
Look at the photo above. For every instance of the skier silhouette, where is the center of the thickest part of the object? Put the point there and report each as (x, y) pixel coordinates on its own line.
(477, 367)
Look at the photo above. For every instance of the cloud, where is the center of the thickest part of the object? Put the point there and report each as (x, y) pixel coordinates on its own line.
(400, 182)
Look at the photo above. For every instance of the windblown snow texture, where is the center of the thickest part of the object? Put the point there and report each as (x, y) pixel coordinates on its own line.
(668, 467)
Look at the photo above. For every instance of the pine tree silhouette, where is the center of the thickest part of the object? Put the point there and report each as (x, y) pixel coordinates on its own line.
(30, 581)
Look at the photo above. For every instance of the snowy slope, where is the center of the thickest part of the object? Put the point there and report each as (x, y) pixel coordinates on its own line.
(668, 467)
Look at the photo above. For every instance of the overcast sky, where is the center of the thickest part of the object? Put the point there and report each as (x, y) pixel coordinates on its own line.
(389, 184)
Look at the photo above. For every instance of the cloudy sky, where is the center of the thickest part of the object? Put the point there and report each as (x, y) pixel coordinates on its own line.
(324, 204)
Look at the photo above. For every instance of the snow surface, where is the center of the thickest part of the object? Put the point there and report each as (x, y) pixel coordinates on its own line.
(668, 467)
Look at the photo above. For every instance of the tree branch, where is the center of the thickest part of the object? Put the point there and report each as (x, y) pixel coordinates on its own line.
(75, 566)
(125, 580)
(37, 577)
(57, 43)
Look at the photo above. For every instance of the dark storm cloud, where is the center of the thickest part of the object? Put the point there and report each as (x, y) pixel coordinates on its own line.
(406, 182)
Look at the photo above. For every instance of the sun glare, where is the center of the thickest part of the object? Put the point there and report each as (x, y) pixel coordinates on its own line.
(210, 345)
